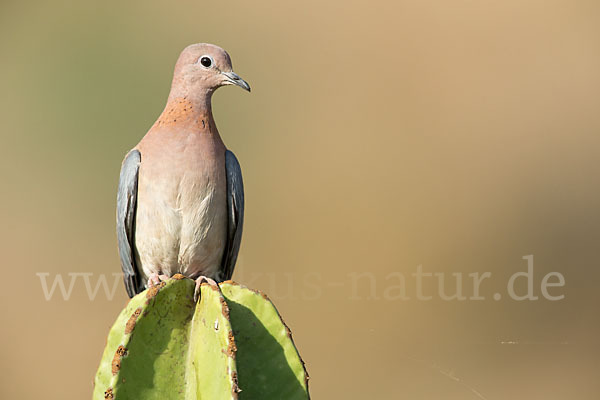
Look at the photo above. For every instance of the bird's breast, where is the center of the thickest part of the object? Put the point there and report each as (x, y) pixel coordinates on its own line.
(181, 219)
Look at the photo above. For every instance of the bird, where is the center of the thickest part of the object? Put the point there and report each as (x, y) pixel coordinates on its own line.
(180, 198)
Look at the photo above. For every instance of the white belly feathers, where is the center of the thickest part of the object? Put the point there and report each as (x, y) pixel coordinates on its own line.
(181, 224)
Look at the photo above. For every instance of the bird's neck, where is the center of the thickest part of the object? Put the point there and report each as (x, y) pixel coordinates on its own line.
(189, 110)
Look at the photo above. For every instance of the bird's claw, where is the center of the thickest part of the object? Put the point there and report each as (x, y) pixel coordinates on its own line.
(199, 283)
(155, 279)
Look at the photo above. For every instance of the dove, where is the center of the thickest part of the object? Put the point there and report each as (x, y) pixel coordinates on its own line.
(180, 199)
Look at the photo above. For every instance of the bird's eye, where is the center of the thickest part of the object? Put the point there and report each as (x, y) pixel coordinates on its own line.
(206, 61)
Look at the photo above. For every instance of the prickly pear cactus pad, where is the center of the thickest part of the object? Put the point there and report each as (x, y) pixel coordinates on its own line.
(232, 344)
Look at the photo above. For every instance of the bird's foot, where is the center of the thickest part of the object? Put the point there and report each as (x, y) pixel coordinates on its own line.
(155, 279)
(199, 283)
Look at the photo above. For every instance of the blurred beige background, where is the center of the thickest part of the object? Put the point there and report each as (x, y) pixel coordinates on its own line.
(379, 136)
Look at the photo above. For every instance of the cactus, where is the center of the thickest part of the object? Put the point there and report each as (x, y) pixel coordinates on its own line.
(232, 344)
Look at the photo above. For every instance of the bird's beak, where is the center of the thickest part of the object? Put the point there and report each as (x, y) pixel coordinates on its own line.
(234, 79)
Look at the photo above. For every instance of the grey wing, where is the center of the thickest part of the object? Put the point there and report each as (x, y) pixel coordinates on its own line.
(126, 207)
(235, 213)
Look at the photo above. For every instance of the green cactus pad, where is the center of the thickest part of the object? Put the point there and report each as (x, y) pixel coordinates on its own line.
(269, 366)
(165, 346)
(211, 370)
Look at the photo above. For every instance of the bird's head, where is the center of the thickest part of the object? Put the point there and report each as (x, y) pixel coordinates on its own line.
(202, 68)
